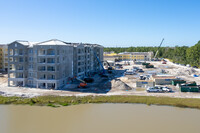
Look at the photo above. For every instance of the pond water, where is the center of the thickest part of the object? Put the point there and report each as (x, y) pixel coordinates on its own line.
(98, 118)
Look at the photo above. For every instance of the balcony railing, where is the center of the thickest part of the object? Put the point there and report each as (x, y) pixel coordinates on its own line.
(50, 53)
(50, 61)
(42, 78)
(41, 69)
(51, 78)
(50, 69)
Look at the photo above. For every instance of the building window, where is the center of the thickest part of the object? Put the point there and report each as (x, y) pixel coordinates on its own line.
(51, 60)
(51, 52)
(41, 52)
(51, 68)
(58, 60)
(30, 58)
(30, 66)
(30, 74)
(16, 51)
(21, 59)
(20, 51)
(30, 51)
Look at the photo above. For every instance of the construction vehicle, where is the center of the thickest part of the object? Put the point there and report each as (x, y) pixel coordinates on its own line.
(82, 84)
(89, 80)
(155, 57)
(103, 72)
(164, 62)
(110, 68)
(127, 63)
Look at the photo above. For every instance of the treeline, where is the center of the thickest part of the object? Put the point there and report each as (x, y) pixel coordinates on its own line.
(183, 55)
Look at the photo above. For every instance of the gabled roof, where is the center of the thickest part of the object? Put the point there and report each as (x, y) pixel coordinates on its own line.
(52, 42)
(22, 42)
(56, 42)
(26, 43)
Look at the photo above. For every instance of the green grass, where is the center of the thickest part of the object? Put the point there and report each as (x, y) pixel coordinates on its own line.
(56, 101)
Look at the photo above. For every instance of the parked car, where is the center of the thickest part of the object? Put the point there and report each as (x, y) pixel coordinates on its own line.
(129, 72)
(166, 89)
(188, 65)
(154, 89)
(142, 77)
(140, 71)
(195, 67)
(136, 68)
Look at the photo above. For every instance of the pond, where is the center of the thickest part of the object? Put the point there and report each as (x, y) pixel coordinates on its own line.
(98, 118)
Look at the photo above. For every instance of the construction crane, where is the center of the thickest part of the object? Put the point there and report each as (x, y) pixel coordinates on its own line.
(100, 63)
(158, 49)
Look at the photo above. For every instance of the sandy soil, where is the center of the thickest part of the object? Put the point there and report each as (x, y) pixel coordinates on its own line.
(102, 86)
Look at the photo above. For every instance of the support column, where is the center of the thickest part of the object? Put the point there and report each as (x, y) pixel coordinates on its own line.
(46, 85)
(24, 83)
(37, 85)
(55, 85)
(8, 82)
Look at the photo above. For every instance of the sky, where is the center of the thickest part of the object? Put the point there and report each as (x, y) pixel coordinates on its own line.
(111, 23)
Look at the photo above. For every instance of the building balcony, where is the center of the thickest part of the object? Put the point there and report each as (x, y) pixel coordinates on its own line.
(51, 70)
(19, 70)
(51, 54)
(41, 63)
(42, 70)
(41, 54)
(50, 78)
(20, 77)
(51, 62)
(12, 70)
(42, 78)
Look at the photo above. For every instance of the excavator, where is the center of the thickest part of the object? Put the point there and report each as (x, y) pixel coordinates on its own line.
(82, 84)
(110, 68)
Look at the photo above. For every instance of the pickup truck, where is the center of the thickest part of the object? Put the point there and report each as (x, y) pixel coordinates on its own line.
(154, 89)
(159, 89)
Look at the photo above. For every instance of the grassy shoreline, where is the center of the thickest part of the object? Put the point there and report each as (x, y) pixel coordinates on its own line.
(57, 101)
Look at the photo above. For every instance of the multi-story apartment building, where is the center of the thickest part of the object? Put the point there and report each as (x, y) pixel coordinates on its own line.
(4, 57)
(137, 56)
(50, 64)
(1, 59)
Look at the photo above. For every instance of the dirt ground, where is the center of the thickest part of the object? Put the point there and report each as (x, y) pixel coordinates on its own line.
(116, 84)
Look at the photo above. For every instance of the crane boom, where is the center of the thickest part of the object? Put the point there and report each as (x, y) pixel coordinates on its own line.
(158, 48)
(99, 62)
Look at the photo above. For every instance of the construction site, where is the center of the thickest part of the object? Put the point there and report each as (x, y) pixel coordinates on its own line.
(118, 81)
(58, 68)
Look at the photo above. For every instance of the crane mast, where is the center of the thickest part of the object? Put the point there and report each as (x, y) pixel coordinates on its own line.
(158, 48)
